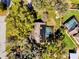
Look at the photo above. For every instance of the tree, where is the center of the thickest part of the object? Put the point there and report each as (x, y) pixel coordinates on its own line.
(59, 5)
(19, 25)
(19, 21)
(42, 4)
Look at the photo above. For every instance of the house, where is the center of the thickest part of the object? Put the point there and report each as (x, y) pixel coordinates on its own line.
(72, 26)
(73, 54)
(41, 31)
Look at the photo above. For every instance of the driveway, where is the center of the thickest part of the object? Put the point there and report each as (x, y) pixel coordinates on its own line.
(2, 37)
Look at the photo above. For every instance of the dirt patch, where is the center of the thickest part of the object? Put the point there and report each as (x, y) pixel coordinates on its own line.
(51, 22)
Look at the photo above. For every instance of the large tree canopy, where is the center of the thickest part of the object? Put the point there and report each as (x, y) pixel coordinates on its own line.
(59, 5)
(19, 21)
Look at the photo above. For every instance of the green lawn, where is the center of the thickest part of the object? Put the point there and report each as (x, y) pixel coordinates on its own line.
(68, 41)
(71, 13)
(75, 1)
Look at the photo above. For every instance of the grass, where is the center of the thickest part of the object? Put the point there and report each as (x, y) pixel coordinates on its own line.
(68, 41)
(16, 0)
(8, 47)
(75, 1)
(71, 13)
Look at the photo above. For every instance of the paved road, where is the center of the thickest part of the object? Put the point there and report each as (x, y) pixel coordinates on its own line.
(2, 37)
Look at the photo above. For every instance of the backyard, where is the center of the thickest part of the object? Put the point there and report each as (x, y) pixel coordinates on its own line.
(67, 41)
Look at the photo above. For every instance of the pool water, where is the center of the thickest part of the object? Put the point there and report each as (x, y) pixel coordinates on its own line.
(45, 32)
(48, 31)
(71, 24)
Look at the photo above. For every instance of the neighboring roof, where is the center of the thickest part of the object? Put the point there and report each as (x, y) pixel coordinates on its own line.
(73, 56)
(71, 23)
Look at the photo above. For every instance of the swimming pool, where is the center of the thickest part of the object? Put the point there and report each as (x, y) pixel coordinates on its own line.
(48, 31)
(71, 24)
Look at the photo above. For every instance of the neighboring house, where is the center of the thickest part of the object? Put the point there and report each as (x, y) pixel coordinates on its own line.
(72, 26)
(41, 31)
(73, 54)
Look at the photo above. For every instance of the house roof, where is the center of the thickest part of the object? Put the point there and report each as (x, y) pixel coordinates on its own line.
(73, 56)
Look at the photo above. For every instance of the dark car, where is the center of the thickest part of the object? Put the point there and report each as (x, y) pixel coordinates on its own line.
(6, 2)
